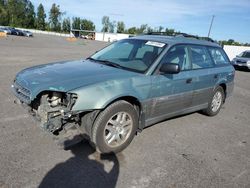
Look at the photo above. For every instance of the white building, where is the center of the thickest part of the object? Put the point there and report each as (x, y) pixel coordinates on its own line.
(232, 51)
(110, 37)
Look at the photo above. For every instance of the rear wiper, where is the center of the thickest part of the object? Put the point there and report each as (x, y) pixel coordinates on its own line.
(107, 62)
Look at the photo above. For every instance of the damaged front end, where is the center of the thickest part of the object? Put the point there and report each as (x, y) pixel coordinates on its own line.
(54, 112)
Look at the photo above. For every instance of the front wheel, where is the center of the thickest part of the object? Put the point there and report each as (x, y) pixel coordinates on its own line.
(216, 102)
(115, 127)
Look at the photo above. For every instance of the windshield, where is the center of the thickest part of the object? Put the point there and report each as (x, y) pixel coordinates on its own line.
(131, 54)
(245, 54)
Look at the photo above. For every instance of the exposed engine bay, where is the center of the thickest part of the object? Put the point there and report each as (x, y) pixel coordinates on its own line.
(53, 111)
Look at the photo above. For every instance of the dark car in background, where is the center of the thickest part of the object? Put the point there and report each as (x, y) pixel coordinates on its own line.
(17, 32)
(13, 31)
(242, 60)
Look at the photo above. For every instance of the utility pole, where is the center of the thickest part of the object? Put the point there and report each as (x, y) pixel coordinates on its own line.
(210, 26)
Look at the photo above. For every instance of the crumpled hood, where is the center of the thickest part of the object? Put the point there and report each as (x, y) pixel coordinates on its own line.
(66, 76)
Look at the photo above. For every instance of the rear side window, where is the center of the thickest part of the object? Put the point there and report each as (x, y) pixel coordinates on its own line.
(218, 56)
(200, 57)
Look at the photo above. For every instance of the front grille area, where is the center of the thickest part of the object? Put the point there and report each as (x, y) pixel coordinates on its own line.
(21, 92)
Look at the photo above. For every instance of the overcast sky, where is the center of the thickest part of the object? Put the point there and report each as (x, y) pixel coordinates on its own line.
(232, 17)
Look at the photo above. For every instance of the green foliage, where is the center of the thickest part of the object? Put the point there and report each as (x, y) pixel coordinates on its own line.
(17, 13)
(170, 32)
(76, 23)
(142, 29)
(29, 21)
(87, 25)
(160, 28)
(149, 29)
(131, 30)
(55, 17)
(3, 13)
(66, 26)
(232, 42)
(40, 18)
(120, 27)
(112, 26)
(106, 24)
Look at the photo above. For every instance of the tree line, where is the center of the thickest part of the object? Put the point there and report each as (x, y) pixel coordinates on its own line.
(232, 42)
(22, 13)
(119, 27)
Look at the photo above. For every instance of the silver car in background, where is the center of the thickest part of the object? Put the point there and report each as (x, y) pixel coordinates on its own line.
(242, 60)
(5, 30)
(27, 33)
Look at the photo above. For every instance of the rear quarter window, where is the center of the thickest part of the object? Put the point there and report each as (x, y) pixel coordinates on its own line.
(218, 55)
(200, 57)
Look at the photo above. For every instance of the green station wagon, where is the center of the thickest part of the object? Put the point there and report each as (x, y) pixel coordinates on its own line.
(125, 87)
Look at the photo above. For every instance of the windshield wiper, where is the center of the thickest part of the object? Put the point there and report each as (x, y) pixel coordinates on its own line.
(107, 62)
(90, 58)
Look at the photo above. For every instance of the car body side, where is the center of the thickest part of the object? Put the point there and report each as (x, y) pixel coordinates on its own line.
(141, 87)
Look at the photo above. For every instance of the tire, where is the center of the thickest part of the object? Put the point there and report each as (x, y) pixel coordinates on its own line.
(213, 106)
(115, 127)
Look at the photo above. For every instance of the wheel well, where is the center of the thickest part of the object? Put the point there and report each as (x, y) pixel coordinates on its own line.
(88, 118)
(132, 100)
(224, 88)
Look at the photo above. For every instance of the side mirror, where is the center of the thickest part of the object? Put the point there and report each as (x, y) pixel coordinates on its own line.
(170, 68)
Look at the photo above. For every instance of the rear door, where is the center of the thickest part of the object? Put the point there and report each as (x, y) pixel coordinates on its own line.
(204, 75)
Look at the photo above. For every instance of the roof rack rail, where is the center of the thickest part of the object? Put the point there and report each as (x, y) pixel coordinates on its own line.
(186, 35)
(158, 33)
(208, 39)
(194, 36)
(178, 34)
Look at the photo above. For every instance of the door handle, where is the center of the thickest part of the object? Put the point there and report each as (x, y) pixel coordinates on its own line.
(216, 76)
(189, 80)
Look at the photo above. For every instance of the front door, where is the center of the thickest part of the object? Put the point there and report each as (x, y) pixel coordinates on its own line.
(172, 93)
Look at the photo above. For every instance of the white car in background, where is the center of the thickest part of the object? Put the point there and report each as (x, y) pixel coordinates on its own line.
(242, 60)
(27, 33)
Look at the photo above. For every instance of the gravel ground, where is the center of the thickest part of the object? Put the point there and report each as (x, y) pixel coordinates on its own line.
(189, 151)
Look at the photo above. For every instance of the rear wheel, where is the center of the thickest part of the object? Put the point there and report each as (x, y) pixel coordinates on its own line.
(216, 102)
(115, 127)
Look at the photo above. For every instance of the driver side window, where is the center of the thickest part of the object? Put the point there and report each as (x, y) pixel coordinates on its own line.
(178, 55)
